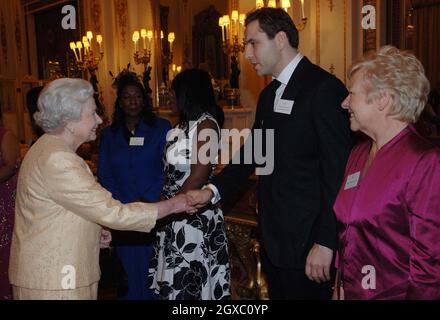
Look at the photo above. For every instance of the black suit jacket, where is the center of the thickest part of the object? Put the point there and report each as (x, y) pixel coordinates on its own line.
(311, 148)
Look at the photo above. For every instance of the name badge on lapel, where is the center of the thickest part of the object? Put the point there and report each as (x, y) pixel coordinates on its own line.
(352, 180)
(284, 106)
(136, 141)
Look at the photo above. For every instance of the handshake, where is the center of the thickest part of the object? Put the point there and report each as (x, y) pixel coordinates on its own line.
(189, 202)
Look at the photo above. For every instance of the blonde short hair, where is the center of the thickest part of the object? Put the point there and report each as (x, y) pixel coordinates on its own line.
(401, 74)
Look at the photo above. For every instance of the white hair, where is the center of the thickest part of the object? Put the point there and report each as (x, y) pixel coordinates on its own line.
(61, 101)
(399, 72)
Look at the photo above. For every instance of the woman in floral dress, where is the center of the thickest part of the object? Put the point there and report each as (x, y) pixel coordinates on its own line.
(191, 253)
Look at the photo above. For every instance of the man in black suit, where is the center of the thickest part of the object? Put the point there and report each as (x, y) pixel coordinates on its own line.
(302, 105)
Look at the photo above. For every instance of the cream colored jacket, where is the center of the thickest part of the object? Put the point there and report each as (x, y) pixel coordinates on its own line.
(59, 212)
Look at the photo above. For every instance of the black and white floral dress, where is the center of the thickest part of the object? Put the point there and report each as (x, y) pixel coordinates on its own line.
(191, 252)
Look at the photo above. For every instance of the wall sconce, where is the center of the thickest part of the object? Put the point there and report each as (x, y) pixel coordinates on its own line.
(232, 32)
(144, 57)
(87, 58)
(232, 28)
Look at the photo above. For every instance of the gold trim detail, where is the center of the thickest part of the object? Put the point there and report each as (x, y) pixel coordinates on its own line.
(121, 14)
(3, 38)
(18, 35)
(96, 14)
(331, 5)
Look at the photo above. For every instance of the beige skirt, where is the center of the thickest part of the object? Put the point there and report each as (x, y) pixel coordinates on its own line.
(82, 293)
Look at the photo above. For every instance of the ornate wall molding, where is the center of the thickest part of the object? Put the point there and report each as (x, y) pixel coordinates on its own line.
(331, 5)
(187, 60)
(18, 35)
(121, 7)
(3, 36)
(96, 15)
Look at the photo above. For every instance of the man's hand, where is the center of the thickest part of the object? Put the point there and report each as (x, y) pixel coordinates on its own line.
(180, 203)
(106, 238)
(318, 263)
(200, 198)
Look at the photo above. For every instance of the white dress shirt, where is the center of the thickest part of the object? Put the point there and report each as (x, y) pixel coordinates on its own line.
(285, 76)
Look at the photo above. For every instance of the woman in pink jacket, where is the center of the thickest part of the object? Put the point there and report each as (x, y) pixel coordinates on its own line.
(388, 207)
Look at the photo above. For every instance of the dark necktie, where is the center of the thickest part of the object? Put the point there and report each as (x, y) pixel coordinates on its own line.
(269, 103)
(273, 87)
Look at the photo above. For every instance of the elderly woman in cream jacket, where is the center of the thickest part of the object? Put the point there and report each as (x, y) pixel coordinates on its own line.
(60, 207)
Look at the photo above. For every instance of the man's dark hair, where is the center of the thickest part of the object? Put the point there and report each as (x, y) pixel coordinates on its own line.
(274, 20)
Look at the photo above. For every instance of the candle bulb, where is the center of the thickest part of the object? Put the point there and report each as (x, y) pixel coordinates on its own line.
(242, 20)
(149, 36)
(79, 47)
(90, 36)
(220, 23)
(285, 4)
(84, 41)
(135, 40)
(302, 9)
(226, 21)
(99, 40)
(272, 4)
(171, 38)
(259, 4)
(234, 18)
(144, 35)
(73, 47)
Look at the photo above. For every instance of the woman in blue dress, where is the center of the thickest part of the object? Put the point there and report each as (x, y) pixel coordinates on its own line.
(131, 168)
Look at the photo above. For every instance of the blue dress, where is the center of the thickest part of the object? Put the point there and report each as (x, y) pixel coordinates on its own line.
(132, 173)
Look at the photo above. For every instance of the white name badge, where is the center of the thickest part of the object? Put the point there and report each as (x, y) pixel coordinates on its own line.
(352, 180)
(136, 141)
(284, 106)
